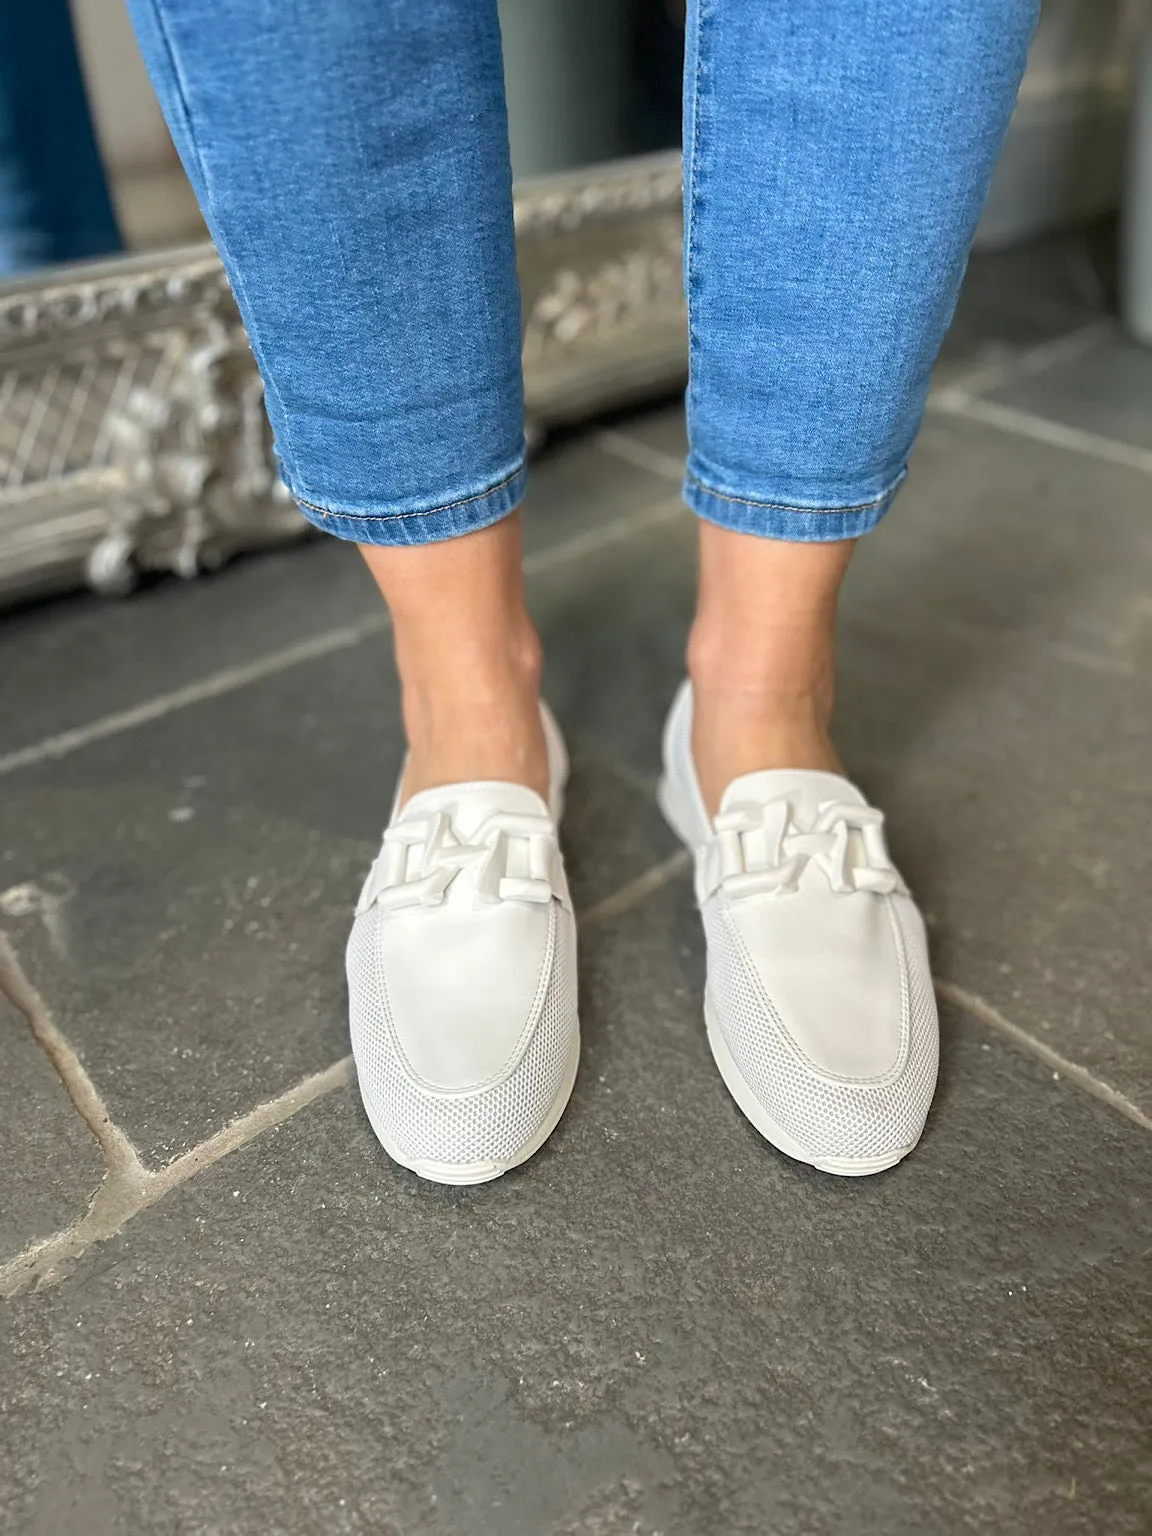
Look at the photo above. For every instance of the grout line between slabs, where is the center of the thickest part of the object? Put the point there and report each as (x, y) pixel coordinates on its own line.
(229, 679)
(1020, 365)
(669, 509)
(1053, 434)
(120, 1156)
(128, 1187)
(994, 1020)
(631, 450)
(635, 891)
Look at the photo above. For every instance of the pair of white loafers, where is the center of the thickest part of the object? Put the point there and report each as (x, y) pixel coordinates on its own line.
(462, 969)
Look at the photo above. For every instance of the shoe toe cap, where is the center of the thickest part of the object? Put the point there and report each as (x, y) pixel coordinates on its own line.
(854, 1109)
(449, 1079)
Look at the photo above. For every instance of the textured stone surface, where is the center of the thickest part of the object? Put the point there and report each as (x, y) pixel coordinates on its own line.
(1014, 300)
(614, 636)
(49, 1165)
(1107, 390)
(660, 1325)
(67, 663)
(207, 862)
(996, 698)
(1074, 270)
(209, 865)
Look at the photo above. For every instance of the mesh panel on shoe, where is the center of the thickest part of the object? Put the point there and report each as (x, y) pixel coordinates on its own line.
(491, 1124)
(825, 1117)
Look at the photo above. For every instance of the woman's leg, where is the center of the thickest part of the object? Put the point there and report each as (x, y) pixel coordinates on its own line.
(762, 655)
(352, 161)
(837, 158)
(468, 657)
(352, 164)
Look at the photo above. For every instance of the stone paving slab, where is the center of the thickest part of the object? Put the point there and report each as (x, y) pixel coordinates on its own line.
(51, 1165)
(209, 864)
(202, 961)
(997, 699)
(67, 663)
(1076, 269)
(614, 636)
(987, 330)
(1106, 390)
(660, 1325)
(1012, 301)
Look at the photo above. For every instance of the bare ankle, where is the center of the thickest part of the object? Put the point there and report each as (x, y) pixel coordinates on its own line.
(480, 722)
(468, 656)
(468, 684)
(786, 672)
(752, 712)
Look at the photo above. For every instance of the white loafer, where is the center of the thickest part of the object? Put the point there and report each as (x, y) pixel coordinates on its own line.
(818, 1003)
(462, 978)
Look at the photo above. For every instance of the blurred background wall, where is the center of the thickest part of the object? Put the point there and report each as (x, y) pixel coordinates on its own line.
(1063, 160)
(153, 200)
(592, 79)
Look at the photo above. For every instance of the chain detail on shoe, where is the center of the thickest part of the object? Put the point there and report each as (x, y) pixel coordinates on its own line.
(509, 858)
(759, 850)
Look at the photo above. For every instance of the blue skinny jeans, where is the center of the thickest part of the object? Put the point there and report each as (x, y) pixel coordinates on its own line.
(351, 158)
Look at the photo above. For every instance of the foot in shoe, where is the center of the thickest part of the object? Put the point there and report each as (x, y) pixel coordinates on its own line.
(818, 1002)
(462, 977)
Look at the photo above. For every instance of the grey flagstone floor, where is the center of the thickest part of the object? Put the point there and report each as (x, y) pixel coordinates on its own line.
(228, 1312)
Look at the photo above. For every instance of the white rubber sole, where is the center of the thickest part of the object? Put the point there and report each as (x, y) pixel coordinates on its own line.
(483, 1172)
(679, 819)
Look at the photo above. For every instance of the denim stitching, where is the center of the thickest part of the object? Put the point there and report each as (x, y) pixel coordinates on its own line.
(396, 517)
(783, 506)
(693, 197)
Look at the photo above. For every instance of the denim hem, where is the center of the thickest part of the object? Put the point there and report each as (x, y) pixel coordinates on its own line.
(432, 525)
(779, 520)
